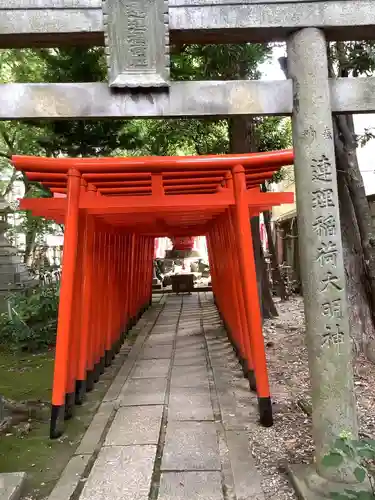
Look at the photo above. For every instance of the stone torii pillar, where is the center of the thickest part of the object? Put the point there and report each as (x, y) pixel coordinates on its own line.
(322, 267)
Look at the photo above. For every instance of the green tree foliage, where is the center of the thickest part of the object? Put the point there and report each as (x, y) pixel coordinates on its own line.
(358, 456)
(211, 136)
(30, 325)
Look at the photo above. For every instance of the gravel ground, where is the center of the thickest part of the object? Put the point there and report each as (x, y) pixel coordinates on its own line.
(289, 440)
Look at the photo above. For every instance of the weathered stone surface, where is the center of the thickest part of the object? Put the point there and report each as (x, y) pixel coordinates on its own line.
(70, 478)
(11, 485)
(95, 100)
(82, 22)
(121, 472)
(190, 403)
(182, 354)
(189, 376)
(137, 43)
(135, 425)
(190, 342)
(123, 374)
(160, 339)
(181, 380)
(156, 352)
(191, 446)
(247, 480)
(190, 485)
(322, 267)
(94, 433)
(144, 391)
(151, 368)
(198, 361)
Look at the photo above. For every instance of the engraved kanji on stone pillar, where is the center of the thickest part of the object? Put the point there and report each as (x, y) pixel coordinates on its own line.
(137, 43)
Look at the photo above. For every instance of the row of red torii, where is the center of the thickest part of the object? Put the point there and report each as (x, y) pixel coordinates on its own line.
(113, 209)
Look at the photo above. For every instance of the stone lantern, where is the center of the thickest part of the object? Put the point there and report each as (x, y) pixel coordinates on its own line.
(13, 272)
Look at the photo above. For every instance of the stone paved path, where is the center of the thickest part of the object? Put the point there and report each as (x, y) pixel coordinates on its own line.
(173, 425)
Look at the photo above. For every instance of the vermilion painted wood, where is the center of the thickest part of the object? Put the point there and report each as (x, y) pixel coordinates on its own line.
(75, 327)
(85, 362)
(123, 205)
(63, 339)
(250, 291)
(153, 163)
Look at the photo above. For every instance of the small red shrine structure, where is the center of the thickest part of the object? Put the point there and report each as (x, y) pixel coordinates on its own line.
(183, 243)
(113, 210)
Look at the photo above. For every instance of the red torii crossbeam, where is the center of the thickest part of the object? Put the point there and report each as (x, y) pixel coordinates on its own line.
(113, 209)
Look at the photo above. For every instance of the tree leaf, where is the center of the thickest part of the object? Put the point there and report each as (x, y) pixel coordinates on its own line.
(360, 474)
(343, 445)
(332, 459)
(366, 453)
(365, 495)
(339, 496)
(370, 442)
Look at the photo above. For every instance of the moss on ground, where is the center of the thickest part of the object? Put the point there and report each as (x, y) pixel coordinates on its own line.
(29, 377)
(26, 376)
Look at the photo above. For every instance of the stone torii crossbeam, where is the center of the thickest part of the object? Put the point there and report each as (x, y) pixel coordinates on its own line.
(138, 36)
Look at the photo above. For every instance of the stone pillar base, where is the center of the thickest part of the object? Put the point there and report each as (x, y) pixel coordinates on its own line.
(308, 485)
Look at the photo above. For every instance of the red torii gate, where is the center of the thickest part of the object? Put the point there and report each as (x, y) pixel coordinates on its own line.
(113, 208)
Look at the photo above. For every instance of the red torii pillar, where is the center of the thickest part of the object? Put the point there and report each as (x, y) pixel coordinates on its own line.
(62, 402)
(250, 294)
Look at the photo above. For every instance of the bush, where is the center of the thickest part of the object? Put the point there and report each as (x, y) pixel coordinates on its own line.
(30, 325)
(361, 454)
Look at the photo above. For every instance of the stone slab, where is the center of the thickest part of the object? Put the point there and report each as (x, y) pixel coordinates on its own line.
(189, 332)
(95, 100)
(160, 338)
(92, 436)
(191, 446)
(151, 368)
(124, 372)
(189, 376)
(135, 425)
(70, 478)
(144, 391)
(190, 403)
(191, 352)
(187, 371)
(11, 485)
(247, 480)
(165, 328)
(190, 342)
(182, 380)
(156, 352)
(236, 402)
(164, 331)
(190, 486)
(297, 474)
(193, 325)
(198, 361)
(121, 473)
(137, 42)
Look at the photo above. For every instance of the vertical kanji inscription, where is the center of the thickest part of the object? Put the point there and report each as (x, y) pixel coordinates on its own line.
(137, 43)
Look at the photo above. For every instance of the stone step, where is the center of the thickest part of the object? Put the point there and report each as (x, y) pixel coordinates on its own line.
(11, 485)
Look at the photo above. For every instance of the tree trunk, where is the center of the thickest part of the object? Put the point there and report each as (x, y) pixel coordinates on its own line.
(268, 306)
(29, 246)
(276, 275)
(257, 249)
(242, 139)
(360, 315)
(357, 238)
